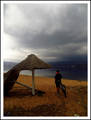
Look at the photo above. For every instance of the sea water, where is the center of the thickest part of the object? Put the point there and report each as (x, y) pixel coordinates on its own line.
(73, 75)
(73, 72)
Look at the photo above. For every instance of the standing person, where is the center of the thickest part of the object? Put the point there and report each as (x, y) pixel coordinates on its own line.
(58, 83)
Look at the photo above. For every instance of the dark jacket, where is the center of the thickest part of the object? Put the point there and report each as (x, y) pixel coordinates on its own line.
(58, 78)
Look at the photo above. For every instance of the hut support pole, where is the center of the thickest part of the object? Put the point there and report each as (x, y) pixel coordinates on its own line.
(33, 85)
(23, 85)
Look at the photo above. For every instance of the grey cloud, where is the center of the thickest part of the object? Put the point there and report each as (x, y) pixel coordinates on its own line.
(49, 28)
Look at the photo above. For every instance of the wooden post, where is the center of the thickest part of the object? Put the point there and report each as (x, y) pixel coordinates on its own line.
(33, 85)
(23, 85)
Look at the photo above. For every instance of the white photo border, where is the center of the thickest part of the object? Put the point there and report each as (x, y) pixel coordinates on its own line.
(88, 45)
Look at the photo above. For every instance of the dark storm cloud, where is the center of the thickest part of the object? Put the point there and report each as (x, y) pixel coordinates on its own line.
(57, 31)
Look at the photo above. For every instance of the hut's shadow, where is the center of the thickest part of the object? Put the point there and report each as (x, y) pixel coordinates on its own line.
(21, 93)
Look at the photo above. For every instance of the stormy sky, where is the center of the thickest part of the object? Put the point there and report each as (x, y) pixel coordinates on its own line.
(53, 32)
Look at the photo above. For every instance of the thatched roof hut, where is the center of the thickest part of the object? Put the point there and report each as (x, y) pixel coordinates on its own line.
(32, 62)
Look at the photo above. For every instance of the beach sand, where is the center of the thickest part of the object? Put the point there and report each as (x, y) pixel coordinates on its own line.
(20, 101)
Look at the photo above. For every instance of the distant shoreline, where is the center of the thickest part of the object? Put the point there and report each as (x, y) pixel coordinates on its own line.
(50, 77)
(69, 70)
(64, 79)
(80, 76)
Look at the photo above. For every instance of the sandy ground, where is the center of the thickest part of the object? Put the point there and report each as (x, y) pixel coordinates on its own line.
(20, 101)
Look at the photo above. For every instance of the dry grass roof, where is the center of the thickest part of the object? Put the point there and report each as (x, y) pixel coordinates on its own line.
(31, 62)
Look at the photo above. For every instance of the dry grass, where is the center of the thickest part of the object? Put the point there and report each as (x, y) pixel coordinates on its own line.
(20, 101)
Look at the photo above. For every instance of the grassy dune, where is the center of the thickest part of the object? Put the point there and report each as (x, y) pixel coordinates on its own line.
(20, 101)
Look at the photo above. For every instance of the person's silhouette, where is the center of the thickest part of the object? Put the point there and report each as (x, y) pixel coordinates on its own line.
(58, 83)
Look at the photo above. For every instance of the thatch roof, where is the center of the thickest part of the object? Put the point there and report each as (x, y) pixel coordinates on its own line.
(31, 62)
